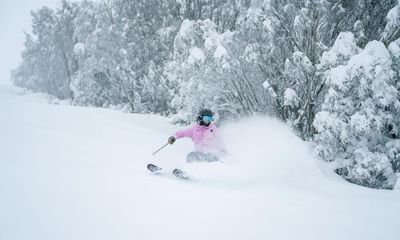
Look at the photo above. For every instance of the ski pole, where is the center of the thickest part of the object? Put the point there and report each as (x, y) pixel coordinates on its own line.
(160, 148)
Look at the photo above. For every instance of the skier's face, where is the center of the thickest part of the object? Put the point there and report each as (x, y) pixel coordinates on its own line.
(205, 120)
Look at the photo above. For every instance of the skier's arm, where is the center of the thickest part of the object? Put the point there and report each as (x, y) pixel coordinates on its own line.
(188, 132)
(180, 134)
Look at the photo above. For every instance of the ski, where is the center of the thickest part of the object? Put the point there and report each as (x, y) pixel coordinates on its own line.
(153, 168)
(180, 174)
(176, 172)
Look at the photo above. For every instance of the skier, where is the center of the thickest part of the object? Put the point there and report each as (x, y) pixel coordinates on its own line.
(204, 134)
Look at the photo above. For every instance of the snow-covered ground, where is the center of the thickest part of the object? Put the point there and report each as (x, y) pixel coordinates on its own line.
(80, 173)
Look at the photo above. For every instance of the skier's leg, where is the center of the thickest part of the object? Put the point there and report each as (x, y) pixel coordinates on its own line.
(194, 157)
(209, 157)
(201, 157)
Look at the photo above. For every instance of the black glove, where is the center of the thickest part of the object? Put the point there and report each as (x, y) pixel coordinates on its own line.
(171, 140)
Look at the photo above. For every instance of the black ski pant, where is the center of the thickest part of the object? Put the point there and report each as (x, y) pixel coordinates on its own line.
(201, 157)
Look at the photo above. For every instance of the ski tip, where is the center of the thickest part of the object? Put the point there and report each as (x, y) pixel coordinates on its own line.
(153, 168)
(180, 174)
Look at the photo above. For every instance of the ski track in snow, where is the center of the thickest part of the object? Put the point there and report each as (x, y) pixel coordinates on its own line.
(80, 173)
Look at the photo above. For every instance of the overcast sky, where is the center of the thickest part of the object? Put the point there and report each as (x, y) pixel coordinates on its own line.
(15, 18)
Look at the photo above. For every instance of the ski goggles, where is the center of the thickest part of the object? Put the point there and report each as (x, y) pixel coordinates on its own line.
(207, 119)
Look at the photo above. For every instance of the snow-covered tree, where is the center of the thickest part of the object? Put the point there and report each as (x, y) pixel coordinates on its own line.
(358, 114)
(199, 67)
(392, 28)
(126, 47)
(366, 18)
(92, 82)
(48, 58)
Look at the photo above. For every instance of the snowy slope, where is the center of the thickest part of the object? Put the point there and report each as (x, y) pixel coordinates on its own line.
(79, 173)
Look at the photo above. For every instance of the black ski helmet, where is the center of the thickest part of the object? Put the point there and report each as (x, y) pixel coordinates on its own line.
(204, 112)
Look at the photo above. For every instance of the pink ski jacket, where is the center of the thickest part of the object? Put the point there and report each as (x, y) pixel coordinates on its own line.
(205, 139)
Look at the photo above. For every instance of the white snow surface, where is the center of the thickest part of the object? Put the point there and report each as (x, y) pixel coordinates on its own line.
(80, 173)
